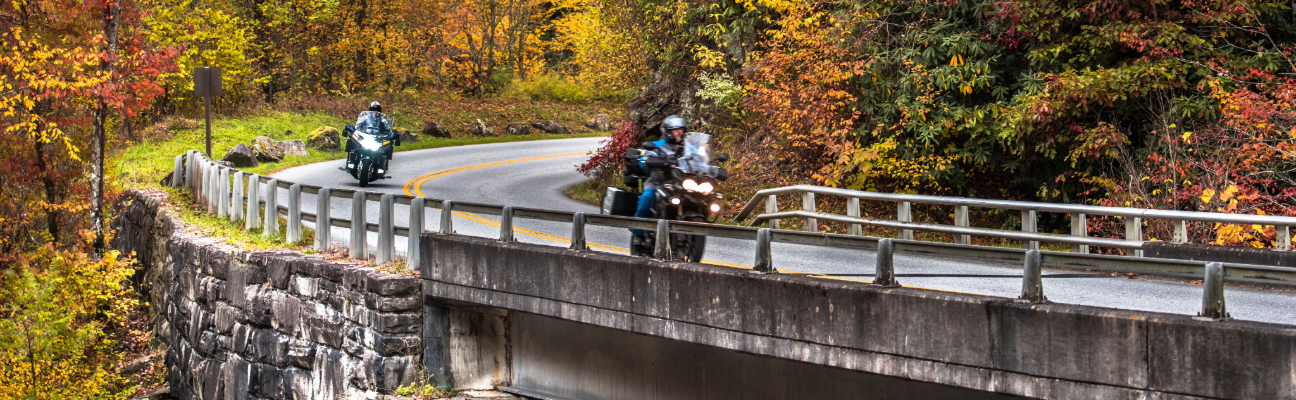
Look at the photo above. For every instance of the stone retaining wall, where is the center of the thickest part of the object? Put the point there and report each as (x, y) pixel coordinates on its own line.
(270, 324)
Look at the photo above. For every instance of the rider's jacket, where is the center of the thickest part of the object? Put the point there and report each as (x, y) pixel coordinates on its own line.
(372, 117)
(658, 162)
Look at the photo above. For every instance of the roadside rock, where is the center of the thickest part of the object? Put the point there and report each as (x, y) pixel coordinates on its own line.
(601, 122)
(480, 128)
(241, 156)
(433, 129)
(406, 136)
(224, 164)
(266, 149)
(293, 148)
(325, 138)
(518, 129)
(550, 127)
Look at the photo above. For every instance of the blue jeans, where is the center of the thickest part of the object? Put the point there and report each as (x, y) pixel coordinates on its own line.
(644, 210)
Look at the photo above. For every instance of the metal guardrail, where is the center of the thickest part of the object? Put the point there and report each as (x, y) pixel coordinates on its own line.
(212, 189)
(1079, 237)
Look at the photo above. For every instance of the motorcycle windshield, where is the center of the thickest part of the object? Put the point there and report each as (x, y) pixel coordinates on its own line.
(371, 122)
(696, 158)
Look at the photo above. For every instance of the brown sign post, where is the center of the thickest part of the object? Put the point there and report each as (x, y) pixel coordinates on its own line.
(207, 84)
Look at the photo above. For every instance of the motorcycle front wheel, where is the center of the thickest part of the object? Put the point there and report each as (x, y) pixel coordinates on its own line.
(364, 170)
(689, 248)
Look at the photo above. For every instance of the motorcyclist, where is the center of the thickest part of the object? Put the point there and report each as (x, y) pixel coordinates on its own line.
(658, 162)
(362, 121)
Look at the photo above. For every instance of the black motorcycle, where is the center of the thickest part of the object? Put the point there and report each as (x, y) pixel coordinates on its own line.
(369, 147)
(687, 195)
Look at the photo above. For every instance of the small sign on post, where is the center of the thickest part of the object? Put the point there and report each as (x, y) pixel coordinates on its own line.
(207, 84)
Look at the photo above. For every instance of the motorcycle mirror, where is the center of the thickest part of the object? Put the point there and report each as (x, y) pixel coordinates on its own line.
(649, 146)
(721, 175)
(722, 157)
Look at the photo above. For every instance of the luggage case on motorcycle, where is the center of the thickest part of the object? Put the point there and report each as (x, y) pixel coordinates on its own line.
(618, 201)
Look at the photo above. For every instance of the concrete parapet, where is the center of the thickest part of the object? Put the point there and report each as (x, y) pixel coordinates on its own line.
(966, 341)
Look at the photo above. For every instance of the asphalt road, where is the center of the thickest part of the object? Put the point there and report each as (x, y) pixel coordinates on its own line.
(534, 174)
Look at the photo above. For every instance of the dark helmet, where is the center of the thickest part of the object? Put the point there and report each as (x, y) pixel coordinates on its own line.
(375, 107)
(671, 123)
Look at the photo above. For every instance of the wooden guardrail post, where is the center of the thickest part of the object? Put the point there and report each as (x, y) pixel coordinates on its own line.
(1213, 294)
(294, 234)
(1079, 227)
(270, 227)
(236, 200)
(413, 253)
(1032, 279)
(358, 248)
(253, 213)
(386, 231)
(323, 221)
(885, 274)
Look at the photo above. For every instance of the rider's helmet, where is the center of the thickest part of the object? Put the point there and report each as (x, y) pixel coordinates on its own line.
(671, 123)
(375, 107)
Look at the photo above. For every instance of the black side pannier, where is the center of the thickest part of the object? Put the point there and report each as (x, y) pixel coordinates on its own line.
(618, 201)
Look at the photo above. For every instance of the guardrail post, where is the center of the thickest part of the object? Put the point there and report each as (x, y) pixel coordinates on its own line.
(771, 206)
(506, 224)
(808, 204)
(853, 210)
(271, 224)
(358, 248)
(885, 274)
(178, 171)
(1134, 231)
(904, 213)
(190, 171)
(209, 188)
(413, 254)
(447, 217)
(323, 222)
(1079, 227)
(1180, 232)
(386, 232)
(253, 213)
(1029, 225)
(578, 232)
(236, 201)
(764, 258)
(662, 250)
(1032, 279)
(961, 219)
(1284, 238)
(294, 234)
(1213, 294)
(223, 192)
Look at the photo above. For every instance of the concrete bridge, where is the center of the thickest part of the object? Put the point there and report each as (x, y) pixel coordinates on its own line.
(557, 323)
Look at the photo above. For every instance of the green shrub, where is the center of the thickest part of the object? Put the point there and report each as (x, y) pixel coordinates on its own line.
(554, 87)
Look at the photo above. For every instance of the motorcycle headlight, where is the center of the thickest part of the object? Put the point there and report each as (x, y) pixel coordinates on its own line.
(690, 185)
(705, 187)
(369, 143)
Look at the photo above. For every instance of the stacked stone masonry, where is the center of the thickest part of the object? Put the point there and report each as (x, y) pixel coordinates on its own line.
(271, 324)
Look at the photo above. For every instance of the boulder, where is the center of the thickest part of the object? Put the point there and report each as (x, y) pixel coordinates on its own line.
(242, 156)
(601, 122)
(325, 138)
(266, 149)
(550, 127)
(293, 148)
(518, 129)
(433, 129)
(480, 128)
(406, 136)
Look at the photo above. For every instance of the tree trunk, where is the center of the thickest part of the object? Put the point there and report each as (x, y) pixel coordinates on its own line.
(112, 13)
(51, 196)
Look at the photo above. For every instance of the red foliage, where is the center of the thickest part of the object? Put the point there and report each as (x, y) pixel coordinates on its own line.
(607, 160)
